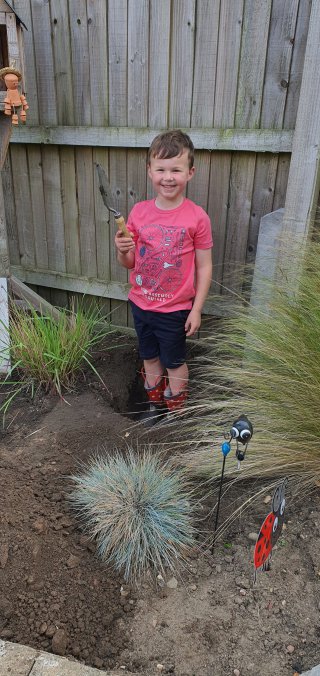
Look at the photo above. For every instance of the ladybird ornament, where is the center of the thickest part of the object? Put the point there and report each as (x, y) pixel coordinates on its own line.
(270, 530)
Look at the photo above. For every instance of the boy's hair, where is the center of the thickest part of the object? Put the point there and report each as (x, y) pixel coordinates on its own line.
(171, 144)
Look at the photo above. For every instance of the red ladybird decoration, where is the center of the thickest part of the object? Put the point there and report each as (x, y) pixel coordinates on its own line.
(271, 529)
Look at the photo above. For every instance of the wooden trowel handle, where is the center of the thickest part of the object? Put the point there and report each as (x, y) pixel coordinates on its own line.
(122, 226)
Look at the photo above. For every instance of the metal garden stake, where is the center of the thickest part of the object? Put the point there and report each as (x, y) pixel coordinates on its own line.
(242, 432)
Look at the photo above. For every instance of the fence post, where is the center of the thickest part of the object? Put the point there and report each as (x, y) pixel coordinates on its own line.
(265, 267)
(304, 174)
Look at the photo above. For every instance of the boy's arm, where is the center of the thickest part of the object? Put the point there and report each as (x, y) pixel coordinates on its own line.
(203, 263)
(125, 250)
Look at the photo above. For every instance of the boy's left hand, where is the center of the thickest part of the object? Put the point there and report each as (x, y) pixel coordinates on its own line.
(193, 322)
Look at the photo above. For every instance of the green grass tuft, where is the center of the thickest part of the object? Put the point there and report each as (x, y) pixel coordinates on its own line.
(137, 509)
(48, 354)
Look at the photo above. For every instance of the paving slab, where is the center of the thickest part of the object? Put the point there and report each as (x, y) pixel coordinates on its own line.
(16, 659)
(313, 672)
(20, 660)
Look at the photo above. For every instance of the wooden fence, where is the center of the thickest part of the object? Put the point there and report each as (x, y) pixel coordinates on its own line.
(103, 77)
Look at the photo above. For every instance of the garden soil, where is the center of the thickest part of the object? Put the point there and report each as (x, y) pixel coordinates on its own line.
(208, 620)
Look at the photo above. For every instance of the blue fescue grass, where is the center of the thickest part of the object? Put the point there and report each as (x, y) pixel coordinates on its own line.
(137, 509)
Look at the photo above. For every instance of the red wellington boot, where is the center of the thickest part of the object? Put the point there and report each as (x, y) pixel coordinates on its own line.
(156, 401)
(175, 402)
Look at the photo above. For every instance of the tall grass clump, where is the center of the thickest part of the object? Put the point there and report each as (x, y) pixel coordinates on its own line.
(266, 364)
(138, 511)
(48, 353)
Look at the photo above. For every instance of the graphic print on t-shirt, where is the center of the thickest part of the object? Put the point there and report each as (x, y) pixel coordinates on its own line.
(158, 268)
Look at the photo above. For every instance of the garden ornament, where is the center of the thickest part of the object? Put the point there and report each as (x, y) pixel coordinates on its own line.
(14, 99)
(270, 530)
(242, 432)
(106, 195)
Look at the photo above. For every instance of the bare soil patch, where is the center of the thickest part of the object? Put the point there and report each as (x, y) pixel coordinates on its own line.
(56, 595)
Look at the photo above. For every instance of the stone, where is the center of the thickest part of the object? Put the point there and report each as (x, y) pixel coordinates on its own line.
(172, 583)
(73, 561)
(59, 642)
(253, 536)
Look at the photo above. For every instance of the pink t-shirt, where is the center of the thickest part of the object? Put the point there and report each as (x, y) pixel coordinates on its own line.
(163, 276)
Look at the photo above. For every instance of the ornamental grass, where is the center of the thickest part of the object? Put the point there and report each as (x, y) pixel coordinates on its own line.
(137, 509)
(47, 353)
(265, 364)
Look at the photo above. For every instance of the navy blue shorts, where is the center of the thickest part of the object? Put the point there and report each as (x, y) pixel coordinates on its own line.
(161, 334)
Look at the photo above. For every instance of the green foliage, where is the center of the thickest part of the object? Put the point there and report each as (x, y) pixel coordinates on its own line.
(266, 364)
(137, 509)
(48, 354)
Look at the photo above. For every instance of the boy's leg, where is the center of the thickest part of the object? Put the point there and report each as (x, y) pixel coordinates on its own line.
(153, 371)
(178, 379)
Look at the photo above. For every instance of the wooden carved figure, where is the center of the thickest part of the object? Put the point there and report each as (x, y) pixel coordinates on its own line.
(14, 100)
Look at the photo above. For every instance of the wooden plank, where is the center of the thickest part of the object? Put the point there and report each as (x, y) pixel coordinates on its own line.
(60, 27)
(42, 46)
(97, 287)
(102, 224)
(53, 208)
(204, 74)
(181, 61)
(70, 209)
(118, 77)
(197, 189)
(138, 25)
(278, 63)
(218, 207)
(22, 198)
(2, 18)
(10, 211)
(118, 184)
(12, 37)
(280, 189)
(37, 206)
(24, 10)
(255, 32)
(159, 61)
(282, 26)
(304, 177)
(5, 362)
(4, 251)
(228, 63)
(22, 58)
(5, 133)
(98, 59)
(241, 182)
(262, 199)
(84, 173)
(23, 291)
(246, 140)
(299, 48)
(80, 61)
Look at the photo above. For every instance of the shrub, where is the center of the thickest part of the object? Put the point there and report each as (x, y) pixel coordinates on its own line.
(137, 510)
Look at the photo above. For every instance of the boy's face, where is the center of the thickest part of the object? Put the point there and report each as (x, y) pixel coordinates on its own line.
(169, 178)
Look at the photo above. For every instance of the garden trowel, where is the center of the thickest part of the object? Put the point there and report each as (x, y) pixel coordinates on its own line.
(106, 195)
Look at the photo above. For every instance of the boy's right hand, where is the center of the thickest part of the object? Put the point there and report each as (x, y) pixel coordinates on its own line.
(123, 244)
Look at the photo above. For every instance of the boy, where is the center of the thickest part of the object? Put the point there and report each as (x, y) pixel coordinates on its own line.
(169, 255)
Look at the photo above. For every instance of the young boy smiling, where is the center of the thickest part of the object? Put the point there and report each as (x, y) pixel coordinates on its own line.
(169, 255)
